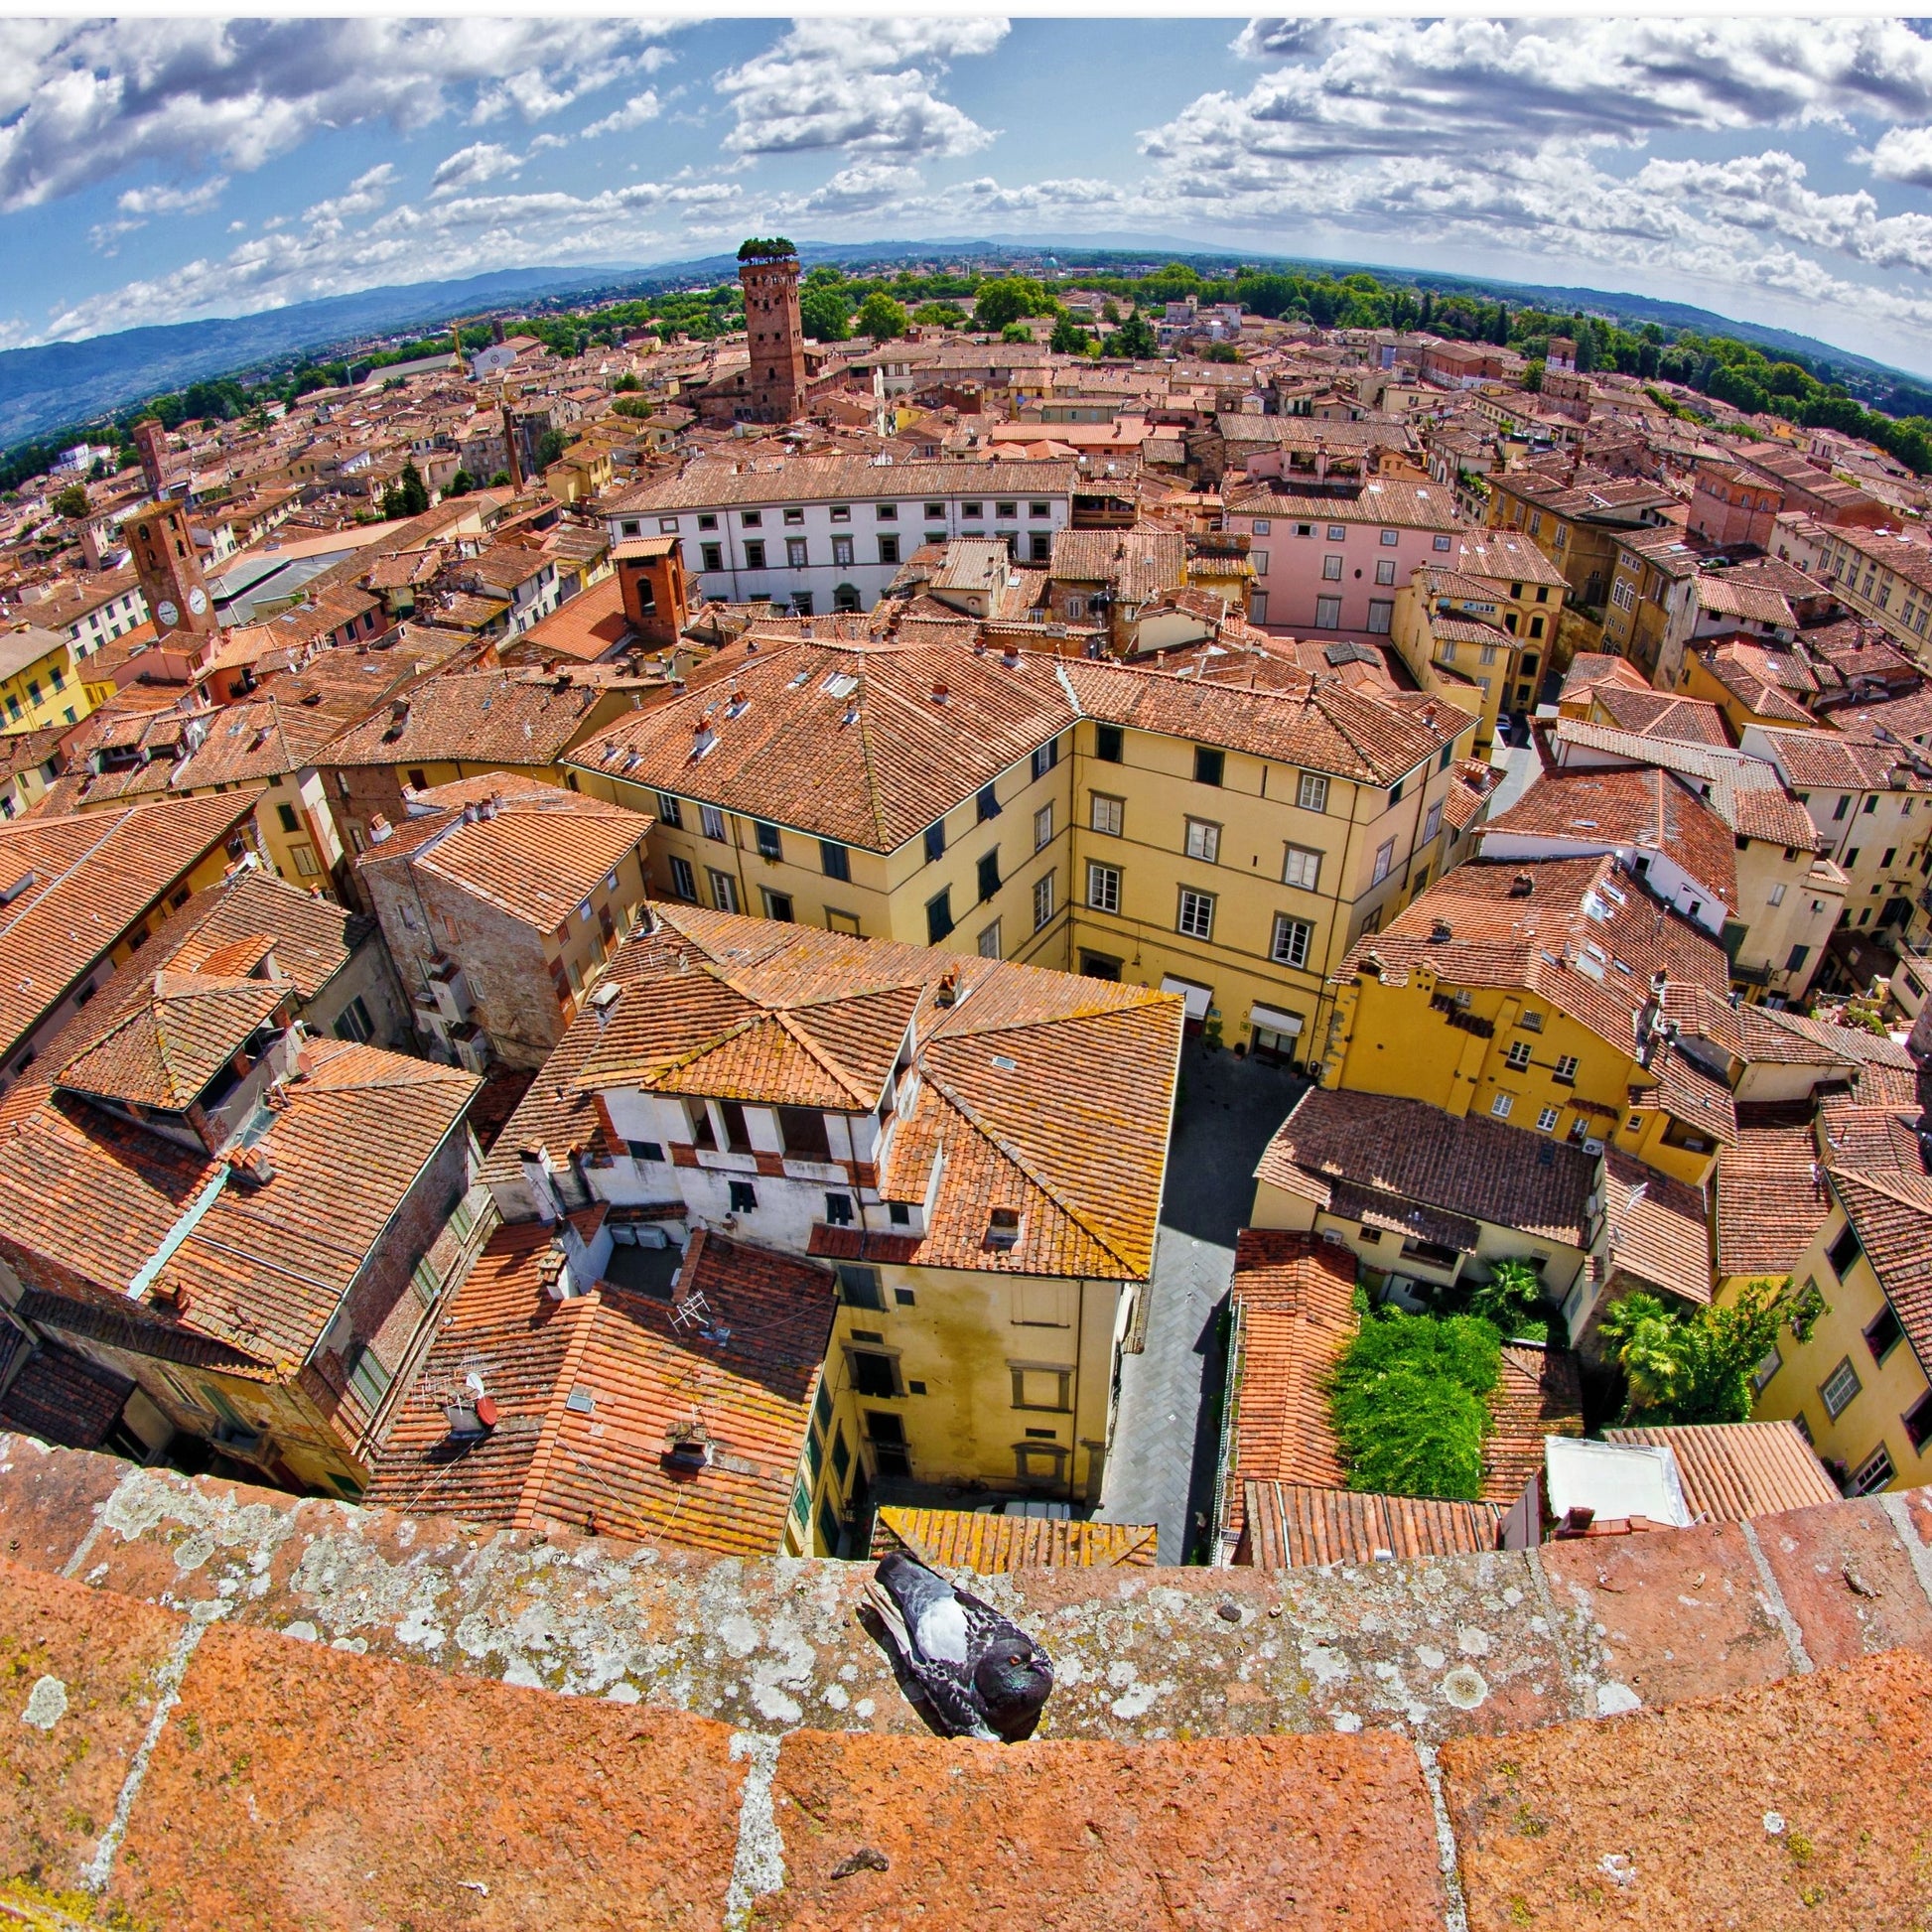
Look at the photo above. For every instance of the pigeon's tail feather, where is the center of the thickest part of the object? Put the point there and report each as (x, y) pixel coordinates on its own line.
(886, 1605)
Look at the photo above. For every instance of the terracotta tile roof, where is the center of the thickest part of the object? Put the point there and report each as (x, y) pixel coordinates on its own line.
(1771, 1196)
(1295, 1299)
(312, 939)
(265, 1270)
(1504, 557)
(1042, 1091)
(1891, 1211)
(1136, 564)
(994, 1543)
(63, 1397)
(590, 628)
(842, 741)
(1588, 937)
(89, 878)
(165, 1050)
(477, 716)
(1655, 1228)
(1831, 760)
(1733, 1471)
(1408, 1154)
(1297, 1525)
(590, 1391)
(1537, 1393)
(1590, 671)
(1391, 503)
(1657, 714)
(1723, 596)
(1870, 1136)
(536, 852)
(805, 480)
(1630, 805)
(1323, 726)
(1758, 681)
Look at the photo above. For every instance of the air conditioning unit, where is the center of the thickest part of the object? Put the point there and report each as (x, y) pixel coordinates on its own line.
(450, 990)
(470, 1044)
(1592, 1147)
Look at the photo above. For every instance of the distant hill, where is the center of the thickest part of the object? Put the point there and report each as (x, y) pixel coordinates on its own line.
(69, 383)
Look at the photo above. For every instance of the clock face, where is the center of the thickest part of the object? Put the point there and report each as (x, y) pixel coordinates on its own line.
(198, 600)
(168, 615)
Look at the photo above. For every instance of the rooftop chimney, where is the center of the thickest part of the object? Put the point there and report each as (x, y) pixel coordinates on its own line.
(938, 691)
(948, 988)
(1522, 886)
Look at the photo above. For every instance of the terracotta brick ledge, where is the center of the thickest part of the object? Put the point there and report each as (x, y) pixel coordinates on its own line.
(233, 1709)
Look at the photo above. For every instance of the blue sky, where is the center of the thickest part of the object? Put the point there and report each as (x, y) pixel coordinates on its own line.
(159, 170)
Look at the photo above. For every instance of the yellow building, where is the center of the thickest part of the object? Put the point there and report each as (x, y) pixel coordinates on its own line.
(583, 470)
(39, 682)
(1751, 685)
(1224, 844)
(1533, 993)
(978, 1150)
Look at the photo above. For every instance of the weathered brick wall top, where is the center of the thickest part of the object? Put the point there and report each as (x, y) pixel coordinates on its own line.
(228, 1708)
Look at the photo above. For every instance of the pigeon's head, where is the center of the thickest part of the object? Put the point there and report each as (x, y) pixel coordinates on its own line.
(1014, 1679)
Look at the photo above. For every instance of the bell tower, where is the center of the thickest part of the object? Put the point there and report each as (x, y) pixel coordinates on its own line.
(170, 573)
(767, 272)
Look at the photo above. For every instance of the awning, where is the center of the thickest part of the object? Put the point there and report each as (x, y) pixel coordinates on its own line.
(1276, 1023)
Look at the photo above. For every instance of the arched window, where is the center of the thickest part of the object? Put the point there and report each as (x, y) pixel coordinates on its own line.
(845, 598)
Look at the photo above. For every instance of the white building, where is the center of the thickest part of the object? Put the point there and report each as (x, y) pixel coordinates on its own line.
(829, 534)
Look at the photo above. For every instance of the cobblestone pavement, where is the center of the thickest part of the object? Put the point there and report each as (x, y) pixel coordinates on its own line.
(1161, 1469)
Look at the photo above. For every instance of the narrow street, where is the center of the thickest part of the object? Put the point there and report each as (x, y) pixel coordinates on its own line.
(1161, 1470)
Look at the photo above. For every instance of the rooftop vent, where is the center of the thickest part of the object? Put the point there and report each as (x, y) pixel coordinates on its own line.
(948, 989)
(688, 1449)
(1522, 886)
(1442, 929)
(1002, 1227)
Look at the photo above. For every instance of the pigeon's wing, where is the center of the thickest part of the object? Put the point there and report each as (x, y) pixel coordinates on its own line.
(932, 1630)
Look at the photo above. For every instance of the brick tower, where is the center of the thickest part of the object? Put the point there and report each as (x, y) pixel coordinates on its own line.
(170, 573)
(767, 271)
(157, 460)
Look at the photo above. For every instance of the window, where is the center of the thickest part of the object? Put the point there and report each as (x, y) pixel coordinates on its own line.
(669, 812)
(1882, 1334)
(1006, 511)
(887, 549)
(796, 548)
(1519, 1054)
(885, 513)
(1381, 615)
(743, 1197)
(989, 873)
(1331, 567)
(887, 1434)
(1312, 793)
(988, 803)
(989, 942)
(1873, 1473)
(711, 822)
(1918, 1421)
(724, 890)
(1109, 742)
(286, 813)
(935, 841)
(1043, 827)
(1547, 1117)
(684, 885)
(1844, 1250)
(1292, 940)
(1208, 764)
(750, 519)
(777, 906)
(710, 556)
(1045, 757)
(1796, 958)
(1203, 840)
(859, 1287)
(1039, 547)
(1769, 1367)
(354, 1022)
(1196, 917)
(755, 556)
(770, 846)
(1431, 821)
(834, 860)
(369, 1375)
(1384, 862)
(938, 917)
(1566, 1069)
(1301, 866)
(838, 1210)
(1043, 1388)
(1106, 814)
(1327, 613)
(1103, 888)
(1263, 525)
(1043, 900)
(935, 512)
(973, 513)
(1501, 1105)
(1840, 1388)
(842, 551)
(1385, 570)
(876, 1375)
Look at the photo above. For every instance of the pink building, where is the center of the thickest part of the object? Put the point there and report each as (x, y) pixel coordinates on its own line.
(1334, 563)
(1730, 504)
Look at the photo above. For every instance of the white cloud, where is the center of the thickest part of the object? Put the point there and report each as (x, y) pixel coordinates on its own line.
(864, 85)
(636, 111)
(471, 167)
(1902, 154)
(84, 102)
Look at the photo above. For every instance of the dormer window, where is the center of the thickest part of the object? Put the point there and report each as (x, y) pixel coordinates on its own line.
(1003, 1228)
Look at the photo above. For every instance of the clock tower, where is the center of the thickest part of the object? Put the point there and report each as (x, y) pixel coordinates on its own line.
(170, 573)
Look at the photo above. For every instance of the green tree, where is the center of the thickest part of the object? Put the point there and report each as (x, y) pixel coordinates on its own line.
(1533, 374)
(1110, 309)
(408, 495)
(500, 480)
(1006, 298)
(1697, 1367)
(550, 447)
(880, 318)
(1016, 332)
(626, 386)
(938, 315)
(1068, 337)
(460, 484)
(823, 315)
(72, 502)
(632, 406)
(1409, 1401)
(1133, 338)
(1511, 1299)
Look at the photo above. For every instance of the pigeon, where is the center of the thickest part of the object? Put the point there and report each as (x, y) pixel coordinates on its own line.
(980, 1673)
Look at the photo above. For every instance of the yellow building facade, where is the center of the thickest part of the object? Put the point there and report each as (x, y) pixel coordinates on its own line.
(38, 681)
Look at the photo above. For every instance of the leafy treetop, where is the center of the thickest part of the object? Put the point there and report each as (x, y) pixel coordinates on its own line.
(776, 248)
